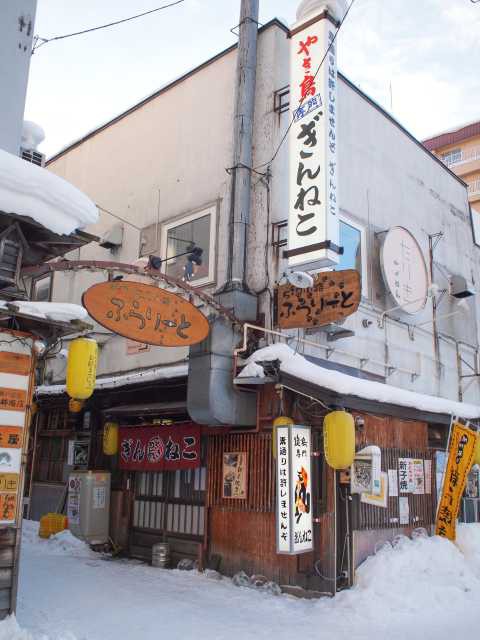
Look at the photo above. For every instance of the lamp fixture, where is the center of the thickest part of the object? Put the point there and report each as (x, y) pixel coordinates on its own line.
(299, 279)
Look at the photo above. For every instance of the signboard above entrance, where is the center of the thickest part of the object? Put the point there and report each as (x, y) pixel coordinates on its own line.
(334, 296)
(145, 313)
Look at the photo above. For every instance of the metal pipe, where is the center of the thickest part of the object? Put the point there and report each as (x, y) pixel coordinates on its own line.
(286, 337)
(242, 143)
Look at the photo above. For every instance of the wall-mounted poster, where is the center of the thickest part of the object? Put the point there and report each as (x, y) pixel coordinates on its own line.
(380, 500)
(235, 475)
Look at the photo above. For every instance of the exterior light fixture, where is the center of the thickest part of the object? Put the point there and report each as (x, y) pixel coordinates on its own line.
(339, 439)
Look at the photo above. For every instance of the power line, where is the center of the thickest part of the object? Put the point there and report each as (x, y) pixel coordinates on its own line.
(39, 42)
(264, 164)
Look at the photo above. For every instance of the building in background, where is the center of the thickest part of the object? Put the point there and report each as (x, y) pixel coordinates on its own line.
(161, 175)
(459, 149)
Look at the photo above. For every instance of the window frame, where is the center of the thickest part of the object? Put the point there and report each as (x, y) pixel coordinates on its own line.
(447, 157)
(212, 210)
(33, 288)
(362, 229)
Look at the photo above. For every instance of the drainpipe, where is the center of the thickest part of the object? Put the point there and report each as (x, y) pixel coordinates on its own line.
(242, 145)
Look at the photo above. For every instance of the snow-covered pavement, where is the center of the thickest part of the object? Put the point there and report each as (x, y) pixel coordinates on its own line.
(422, 588)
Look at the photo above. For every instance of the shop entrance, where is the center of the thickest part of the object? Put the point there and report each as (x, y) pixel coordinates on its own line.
(169, 506)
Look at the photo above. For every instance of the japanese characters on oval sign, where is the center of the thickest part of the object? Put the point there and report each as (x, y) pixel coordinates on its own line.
(334, 296)
(146, 314)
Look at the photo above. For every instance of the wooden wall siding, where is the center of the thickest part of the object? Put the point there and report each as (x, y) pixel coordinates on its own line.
(422, 507)
(389, 432)
(260, 477)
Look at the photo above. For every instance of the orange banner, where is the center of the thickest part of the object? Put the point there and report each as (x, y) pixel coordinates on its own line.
(11, 437)
(460, 459)
(8, 507)
(12, 399)
(17, 363)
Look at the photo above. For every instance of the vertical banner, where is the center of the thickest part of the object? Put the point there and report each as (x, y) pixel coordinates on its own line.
(460, 459)
(294, 490)
(313, 199)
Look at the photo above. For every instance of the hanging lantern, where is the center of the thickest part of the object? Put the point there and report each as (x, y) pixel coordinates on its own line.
(281, 421)
(339, 439)
(476, 451)
(75, 406)
(110, 438)
(81, 368)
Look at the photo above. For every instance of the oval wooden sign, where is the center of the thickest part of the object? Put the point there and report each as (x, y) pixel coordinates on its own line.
(145, 313)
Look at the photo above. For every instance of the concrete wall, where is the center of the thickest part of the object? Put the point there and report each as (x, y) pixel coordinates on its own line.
(180, 144)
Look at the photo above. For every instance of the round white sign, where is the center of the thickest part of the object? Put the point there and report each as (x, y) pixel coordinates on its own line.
(404, 270)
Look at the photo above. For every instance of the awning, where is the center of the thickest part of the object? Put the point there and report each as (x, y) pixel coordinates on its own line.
(336, 388)
(148, 409)
(124, 379)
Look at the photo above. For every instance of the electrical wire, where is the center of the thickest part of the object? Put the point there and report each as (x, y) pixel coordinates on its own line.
(39, 42)
(282, 141)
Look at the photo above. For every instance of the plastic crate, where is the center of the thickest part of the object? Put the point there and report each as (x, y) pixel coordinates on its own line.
(52, 523)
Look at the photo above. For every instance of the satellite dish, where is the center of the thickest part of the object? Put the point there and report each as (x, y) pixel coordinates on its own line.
(300, 279)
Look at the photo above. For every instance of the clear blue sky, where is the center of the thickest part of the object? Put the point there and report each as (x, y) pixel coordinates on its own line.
(428, 50)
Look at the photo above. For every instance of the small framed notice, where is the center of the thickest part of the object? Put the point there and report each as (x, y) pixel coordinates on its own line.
(235, 475)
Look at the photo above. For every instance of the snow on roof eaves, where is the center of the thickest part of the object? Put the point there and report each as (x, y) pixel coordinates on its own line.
(112, 382)
(341, 383)
(32, 191)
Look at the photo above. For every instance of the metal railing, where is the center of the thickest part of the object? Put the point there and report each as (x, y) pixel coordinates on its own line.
(474, 187)
(465, 156)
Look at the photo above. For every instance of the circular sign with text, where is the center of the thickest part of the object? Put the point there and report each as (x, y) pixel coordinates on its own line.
(145, 313)
(404, 270)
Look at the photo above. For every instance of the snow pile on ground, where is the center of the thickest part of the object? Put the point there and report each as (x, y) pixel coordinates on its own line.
(421, 588)
(296, 365)
(60, 311)
(61, 544)
(32, 191)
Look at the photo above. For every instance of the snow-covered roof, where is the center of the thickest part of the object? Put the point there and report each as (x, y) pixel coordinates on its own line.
(124, 379)
(34, 192)
(296, 365)
(60, 311)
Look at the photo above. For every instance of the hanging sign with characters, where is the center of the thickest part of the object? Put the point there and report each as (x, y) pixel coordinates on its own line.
(145, 313)
(294, 490)
(334, 296)
(460, 460)
(313, 228)
(159, 448)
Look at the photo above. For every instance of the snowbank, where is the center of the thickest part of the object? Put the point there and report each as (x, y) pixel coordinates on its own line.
(417, 589)
(29, 190)
(296, 365)
(61, 544)
(60, 311)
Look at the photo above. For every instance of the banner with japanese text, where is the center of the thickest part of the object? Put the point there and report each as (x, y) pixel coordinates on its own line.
(162, 448)
(294, 521)
(460, 458)
(313, 211)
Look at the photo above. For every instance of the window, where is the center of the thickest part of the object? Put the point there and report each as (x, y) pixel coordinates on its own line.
(353, 241)
(42, 288)
(194, 237)
(452, 157)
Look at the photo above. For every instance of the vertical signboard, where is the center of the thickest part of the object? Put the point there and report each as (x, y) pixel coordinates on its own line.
(313, 200)
(294, 490)
(460, 460)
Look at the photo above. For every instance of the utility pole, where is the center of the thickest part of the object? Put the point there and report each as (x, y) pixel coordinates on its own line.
(242, 145)
(17, 19)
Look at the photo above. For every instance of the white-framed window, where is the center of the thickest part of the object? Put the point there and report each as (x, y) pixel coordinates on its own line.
(353, 239)
(194, 236)
(452, 157)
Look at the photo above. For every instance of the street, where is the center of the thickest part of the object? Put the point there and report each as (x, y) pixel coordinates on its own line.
(67, 592)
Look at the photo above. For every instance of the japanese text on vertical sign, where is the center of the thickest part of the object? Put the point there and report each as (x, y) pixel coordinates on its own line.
(460, 458)
(313, 166)
(283, 490)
